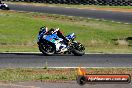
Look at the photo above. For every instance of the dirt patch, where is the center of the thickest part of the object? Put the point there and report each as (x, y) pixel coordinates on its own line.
(123, 41)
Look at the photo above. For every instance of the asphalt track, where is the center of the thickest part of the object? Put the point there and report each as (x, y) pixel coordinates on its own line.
(21, 60)
(69, 84)
(106, 15)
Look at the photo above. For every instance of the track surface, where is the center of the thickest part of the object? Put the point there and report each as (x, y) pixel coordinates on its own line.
(72, 84)
(107, 15)
(17, 60)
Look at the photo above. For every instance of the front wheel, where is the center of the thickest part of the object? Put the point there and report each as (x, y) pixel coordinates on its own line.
(78, 49)
(7, 8)
(47, 49)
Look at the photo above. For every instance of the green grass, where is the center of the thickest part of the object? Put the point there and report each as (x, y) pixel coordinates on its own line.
(27, 74)
(15, 75)
(18, 31)
(72, 6)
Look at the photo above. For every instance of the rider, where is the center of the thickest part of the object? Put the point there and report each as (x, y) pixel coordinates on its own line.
(59, 34)
(44, 31)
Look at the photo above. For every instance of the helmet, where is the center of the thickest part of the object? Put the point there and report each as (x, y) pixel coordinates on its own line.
(43, 29)
(52, 30)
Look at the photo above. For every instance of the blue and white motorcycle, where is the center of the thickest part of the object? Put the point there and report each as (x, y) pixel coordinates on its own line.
(4, 6)
(52, 44)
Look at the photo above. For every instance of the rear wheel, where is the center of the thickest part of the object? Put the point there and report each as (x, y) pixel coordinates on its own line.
(47, 49)
(4, 8)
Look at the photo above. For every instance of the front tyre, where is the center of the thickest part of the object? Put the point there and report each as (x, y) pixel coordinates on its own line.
(47, 49)
(78, 49)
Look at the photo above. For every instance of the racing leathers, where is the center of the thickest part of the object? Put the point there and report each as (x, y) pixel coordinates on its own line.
(59, 34)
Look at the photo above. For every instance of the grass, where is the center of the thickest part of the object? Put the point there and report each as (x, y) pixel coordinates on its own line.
(72, 6)
(27, 74)
(18, 31)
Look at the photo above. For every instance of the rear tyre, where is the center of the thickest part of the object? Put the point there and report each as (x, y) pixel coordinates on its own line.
(5, 8)
(47, 49)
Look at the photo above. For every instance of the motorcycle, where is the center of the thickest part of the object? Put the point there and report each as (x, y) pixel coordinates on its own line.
(4, 6)
(50, 44)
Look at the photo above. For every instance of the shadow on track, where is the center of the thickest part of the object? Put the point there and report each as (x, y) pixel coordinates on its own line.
(35, 54)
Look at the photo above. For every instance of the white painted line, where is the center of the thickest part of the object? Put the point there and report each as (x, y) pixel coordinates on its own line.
(104, 20)
(112, 21)
(41, 53)
(73, 67)
(119, 22)
(97, 19)
(21, 52)
(76, 67)
(126, 23)
(20, 86)
(89, 18)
